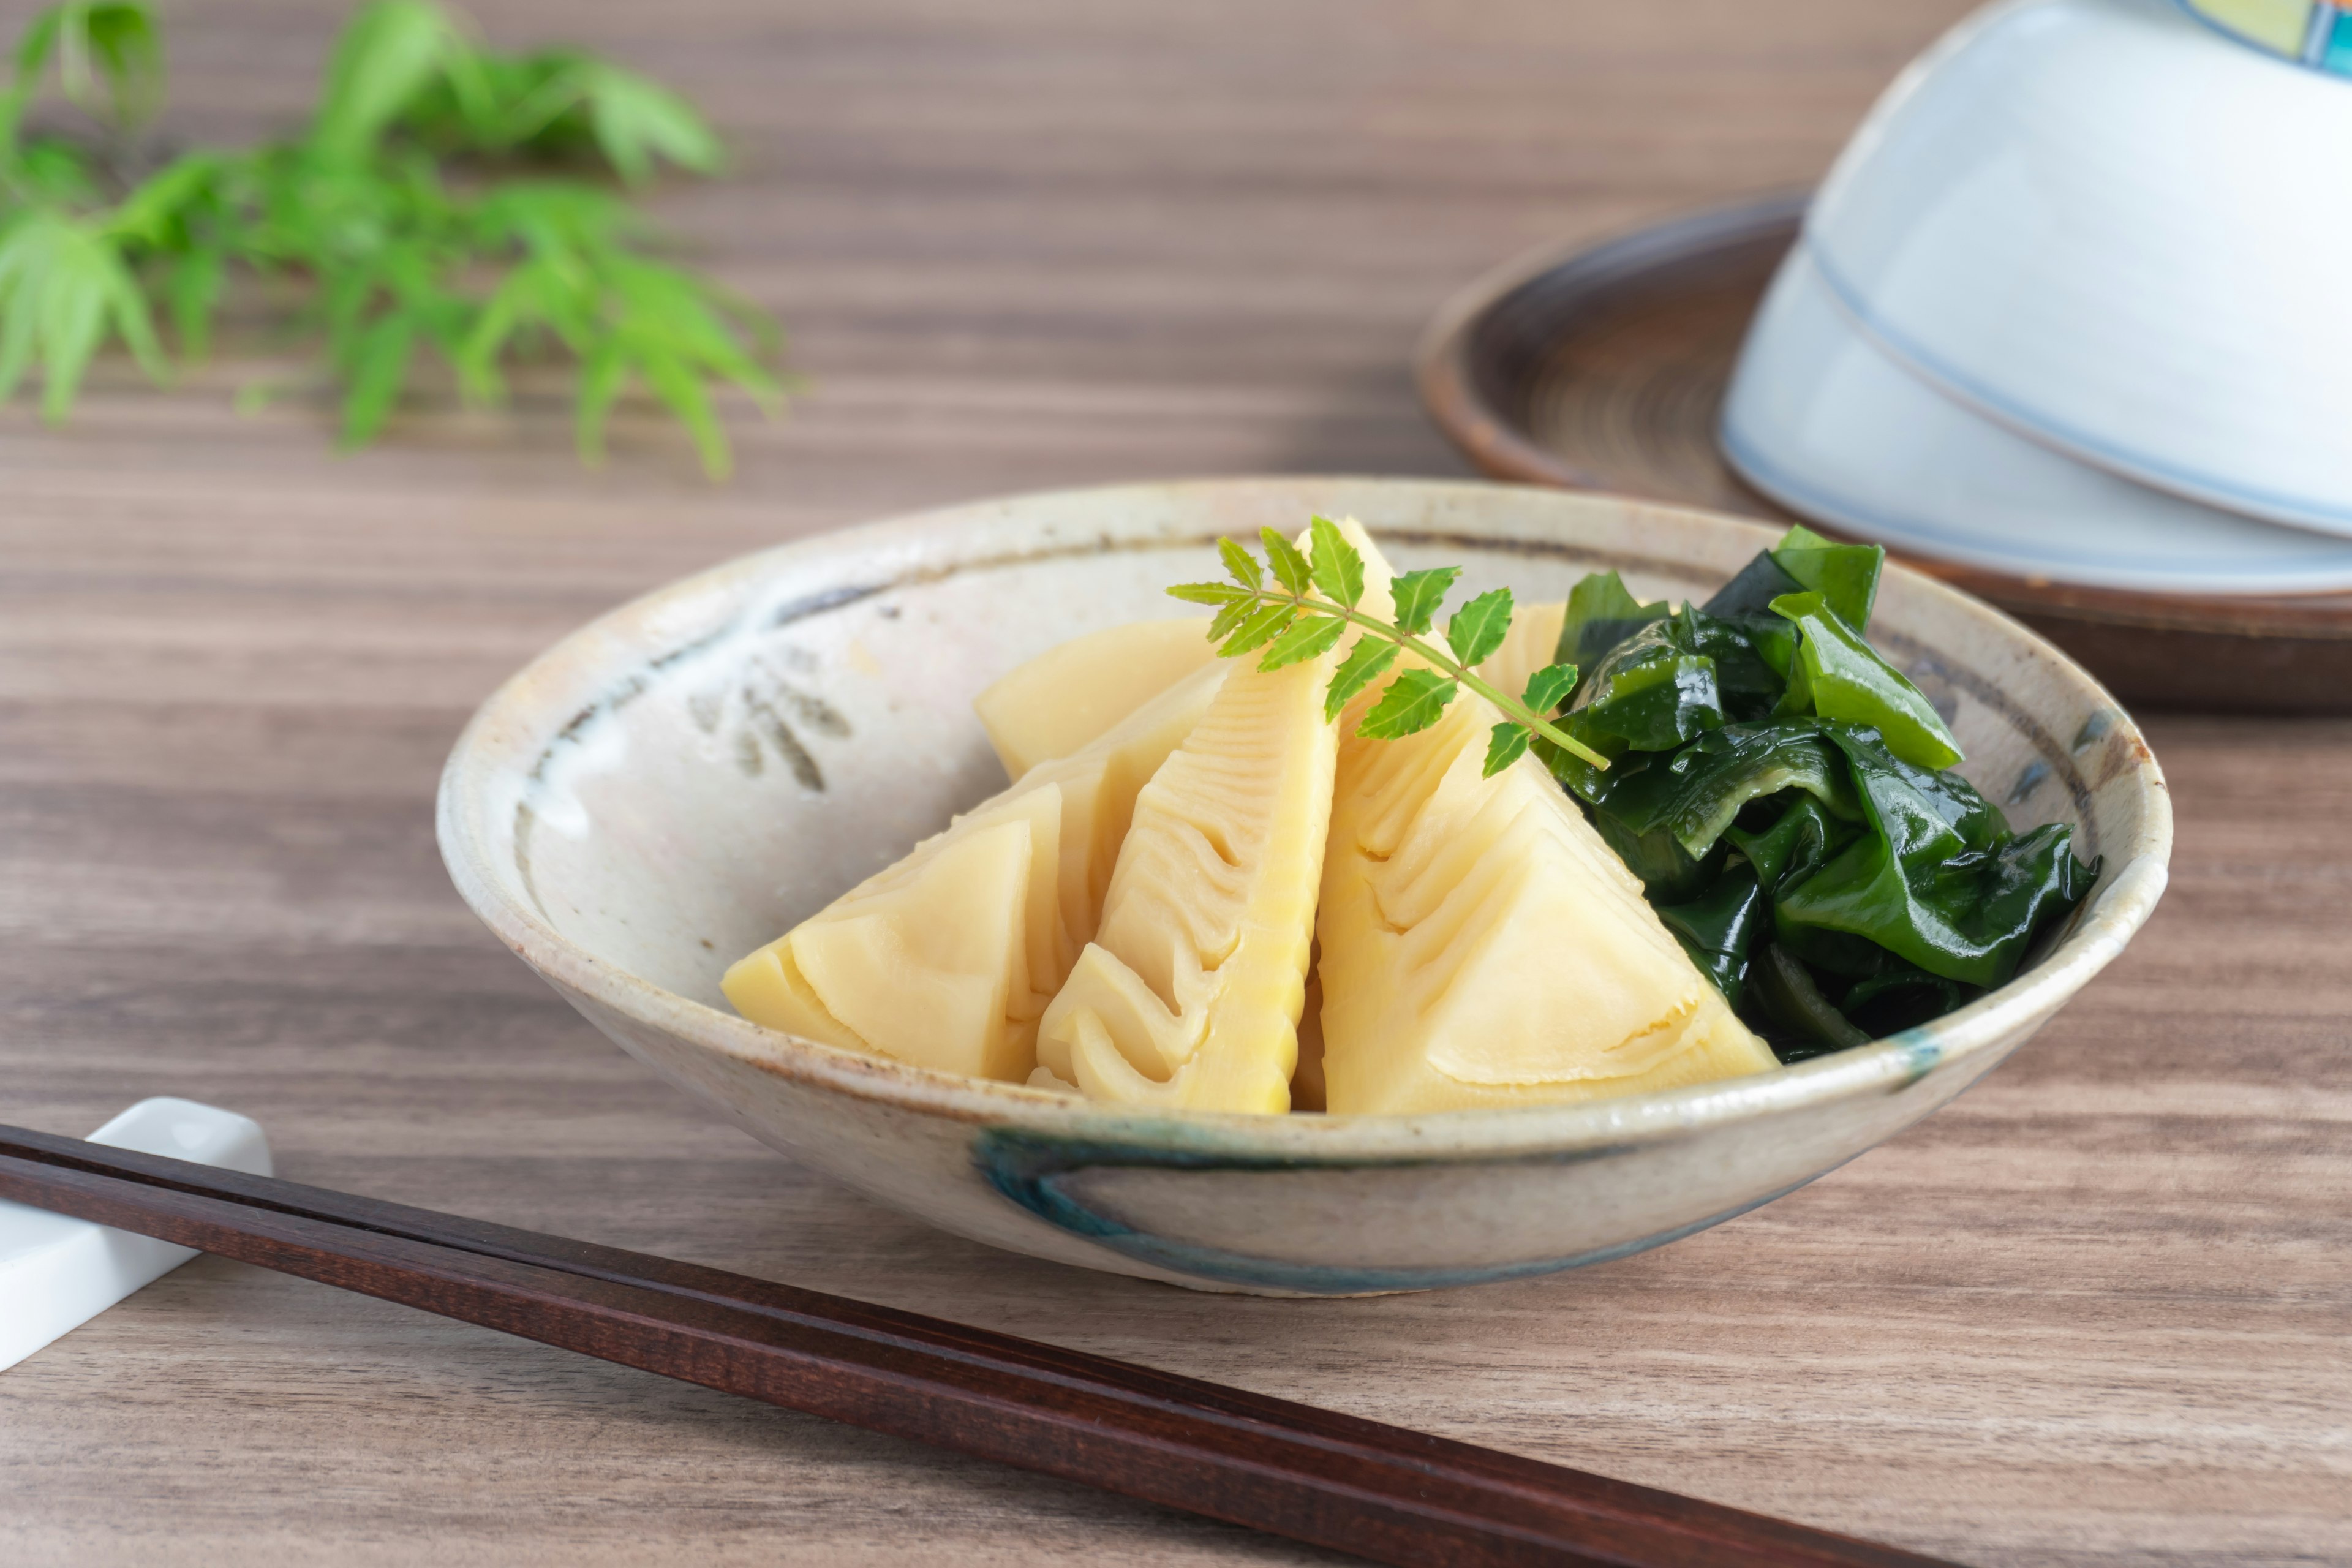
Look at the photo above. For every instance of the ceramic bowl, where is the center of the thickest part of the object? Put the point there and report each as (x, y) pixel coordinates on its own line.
(1820, 419)
(680, 780)
(2118, 230)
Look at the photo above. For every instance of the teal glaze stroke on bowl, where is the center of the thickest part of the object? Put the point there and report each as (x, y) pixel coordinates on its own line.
(1043, 1175)
(1036, 1175)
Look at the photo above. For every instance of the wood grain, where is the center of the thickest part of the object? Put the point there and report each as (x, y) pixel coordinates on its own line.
(1380, 1492)
(2094, 1313)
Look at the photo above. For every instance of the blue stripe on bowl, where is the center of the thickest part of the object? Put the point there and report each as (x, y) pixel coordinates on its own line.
(2327, 515)
(1802, 495)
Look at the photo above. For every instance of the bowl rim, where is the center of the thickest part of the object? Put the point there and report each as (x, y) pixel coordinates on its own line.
(468, 799)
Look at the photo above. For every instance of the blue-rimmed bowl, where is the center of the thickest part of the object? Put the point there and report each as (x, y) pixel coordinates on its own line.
(2119, 228)
(1822, 419)
(677, 783)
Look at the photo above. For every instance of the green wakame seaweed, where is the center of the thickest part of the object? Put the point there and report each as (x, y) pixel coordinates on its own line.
(1783, 792)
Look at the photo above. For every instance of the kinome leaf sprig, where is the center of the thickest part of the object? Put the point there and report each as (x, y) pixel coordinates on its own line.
(1313, 599)
(419, 209)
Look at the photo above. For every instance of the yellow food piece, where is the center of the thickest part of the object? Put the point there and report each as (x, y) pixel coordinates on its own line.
(1478, 943)
(1527, 647)
(948, 958)
(1190, 992)
(1073, 693)
(1481, 946)
(1306, 1078)
(1137, 919)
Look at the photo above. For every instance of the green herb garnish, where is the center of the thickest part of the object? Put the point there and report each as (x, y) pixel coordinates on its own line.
(1311, 602)
(402, 219)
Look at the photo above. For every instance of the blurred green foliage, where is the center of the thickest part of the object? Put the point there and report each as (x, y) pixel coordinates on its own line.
(442, 199)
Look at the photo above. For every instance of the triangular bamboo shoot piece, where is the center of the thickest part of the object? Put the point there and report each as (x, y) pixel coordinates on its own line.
(1479, 945)
(1074, 691)
(1190, 994)
(948, 958)
(1527, 647)
(1192, 991)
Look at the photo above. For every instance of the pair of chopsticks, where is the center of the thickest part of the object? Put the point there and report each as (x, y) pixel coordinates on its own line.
(1382, 1492)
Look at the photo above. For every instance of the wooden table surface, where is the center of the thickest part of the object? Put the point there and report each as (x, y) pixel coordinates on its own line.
(2095, 1313)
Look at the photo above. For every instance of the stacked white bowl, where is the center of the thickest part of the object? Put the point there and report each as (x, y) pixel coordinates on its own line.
(2067, 305)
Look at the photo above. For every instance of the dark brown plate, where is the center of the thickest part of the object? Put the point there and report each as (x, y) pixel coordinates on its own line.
(1604, 367)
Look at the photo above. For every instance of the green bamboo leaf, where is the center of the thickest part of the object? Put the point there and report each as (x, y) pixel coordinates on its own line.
(1337, 568)
(36, 43)
(74, 321)
(539, 295)
(345, 298)
(1310, 636)
(1547, 688)
(1288, 566)
(472, 80)
(444, 318)
(392, 258)
(1240, 564)
(192, 289)
(63, 284)
(604, 373)
(126, 306)
(536, 101)
(121, 46)
(560, 222)
(636, 121)
(1505, 744)
(51, 172)
(662, 306)
(682, 392)
(110, 59)
(1367, 660)
(73, 310)
(1478, 627)
(387, 55)
(485, 103)
(24, 275)
(1412, 702)
(165, 202)
(378, 368)
(1258, 628)
(1418, 595)
(511, 311)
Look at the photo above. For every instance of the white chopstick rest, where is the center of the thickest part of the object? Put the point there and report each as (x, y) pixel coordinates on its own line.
(56, 1274)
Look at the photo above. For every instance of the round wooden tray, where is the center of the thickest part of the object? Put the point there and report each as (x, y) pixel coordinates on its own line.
(1605, 368)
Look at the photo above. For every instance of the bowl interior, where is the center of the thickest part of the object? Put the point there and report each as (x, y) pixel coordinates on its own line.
(680, 782)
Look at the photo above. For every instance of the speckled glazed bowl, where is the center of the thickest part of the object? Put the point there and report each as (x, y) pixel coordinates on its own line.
(679, 782)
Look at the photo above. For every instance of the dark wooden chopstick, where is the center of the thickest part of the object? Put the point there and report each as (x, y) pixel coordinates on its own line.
(1382, 1492)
